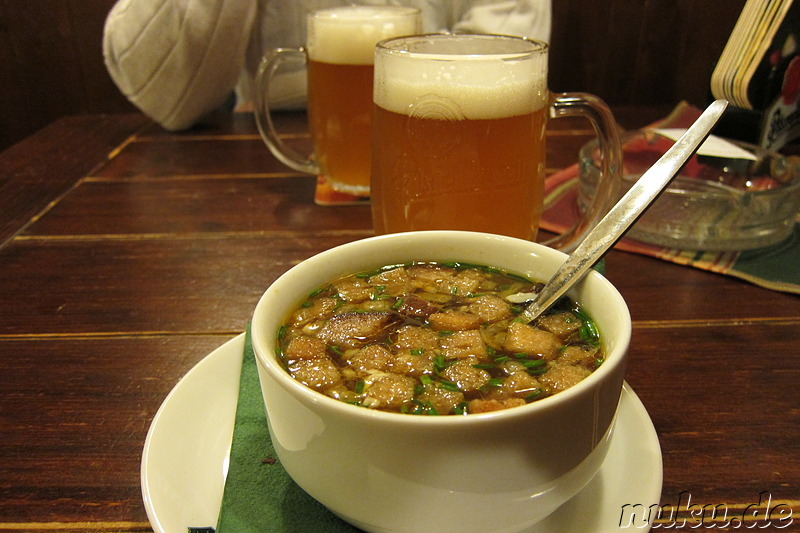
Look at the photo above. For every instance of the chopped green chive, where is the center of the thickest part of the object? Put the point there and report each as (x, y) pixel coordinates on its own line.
(534, 363)
(423, 408)
(517, 277)
(588, 330)
(449, 385)
(379, 293)
(537, 371)
(532, 396)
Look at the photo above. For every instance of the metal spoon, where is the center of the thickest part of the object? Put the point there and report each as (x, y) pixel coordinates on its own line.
(622, 216)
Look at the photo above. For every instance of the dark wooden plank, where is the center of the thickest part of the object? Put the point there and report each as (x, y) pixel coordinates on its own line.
(210, 283)
(657, 290)
(75, 417)
(105, 204)
(197, 284)
(205, 155)
(293, 123)
(221, 123)
(156, 152)
(40, 169)
(166, 205)
(204, 152)
(724, 403)
(196, 205)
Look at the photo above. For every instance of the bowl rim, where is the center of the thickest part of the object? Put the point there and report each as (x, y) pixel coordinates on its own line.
(268, 362)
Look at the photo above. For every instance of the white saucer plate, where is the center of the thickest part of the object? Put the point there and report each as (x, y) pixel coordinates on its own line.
(185, 457)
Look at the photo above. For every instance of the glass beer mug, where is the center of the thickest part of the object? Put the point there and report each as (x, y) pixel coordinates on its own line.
(339, 53)
(459, 136)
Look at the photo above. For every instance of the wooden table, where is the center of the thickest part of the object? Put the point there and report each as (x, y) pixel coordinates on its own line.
(127, 254)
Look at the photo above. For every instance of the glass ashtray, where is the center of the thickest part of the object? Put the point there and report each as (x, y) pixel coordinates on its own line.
(748, 198)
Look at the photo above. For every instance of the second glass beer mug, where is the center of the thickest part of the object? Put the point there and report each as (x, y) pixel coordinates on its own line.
(459, 136)
(339, 54)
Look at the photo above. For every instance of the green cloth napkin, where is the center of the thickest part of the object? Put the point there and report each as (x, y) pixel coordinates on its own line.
(259, 495)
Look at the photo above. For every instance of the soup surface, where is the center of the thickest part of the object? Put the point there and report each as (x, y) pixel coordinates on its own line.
(435, 339)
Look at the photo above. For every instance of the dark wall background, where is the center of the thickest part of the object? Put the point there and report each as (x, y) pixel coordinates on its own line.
(625, 51)
(640, 51)
(51, 64)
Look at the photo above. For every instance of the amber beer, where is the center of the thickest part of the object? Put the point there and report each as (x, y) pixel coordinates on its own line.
(459, 142)
(341, 43)
(340, 122)
(479, 175)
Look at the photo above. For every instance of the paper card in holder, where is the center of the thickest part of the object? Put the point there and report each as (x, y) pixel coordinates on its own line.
(758, 72)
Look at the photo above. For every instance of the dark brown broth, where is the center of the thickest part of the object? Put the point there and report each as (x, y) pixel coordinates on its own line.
(435, 338)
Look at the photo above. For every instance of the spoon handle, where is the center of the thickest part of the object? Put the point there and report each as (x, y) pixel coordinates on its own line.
(626, 211)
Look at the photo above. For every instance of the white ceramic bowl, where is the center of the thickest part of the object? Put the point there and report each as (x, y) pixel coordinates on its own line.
(499, 471)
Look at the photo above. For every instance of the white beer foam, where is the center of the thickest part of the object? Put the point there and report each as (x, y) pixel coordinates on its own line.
(347, 35)
(462, 89)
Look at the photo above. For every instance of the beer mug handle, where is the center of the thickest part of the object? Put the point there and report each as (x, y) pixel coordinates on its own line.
(598, 113)
(266, 70)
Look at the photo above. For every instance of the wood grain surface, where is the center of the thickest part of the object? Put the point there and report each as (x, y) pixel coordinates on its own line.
(128, 253)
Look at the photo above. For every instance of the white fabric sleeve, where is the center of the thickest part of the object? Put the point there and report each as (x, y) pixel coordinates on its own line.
(177, 59)
(526, 18)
